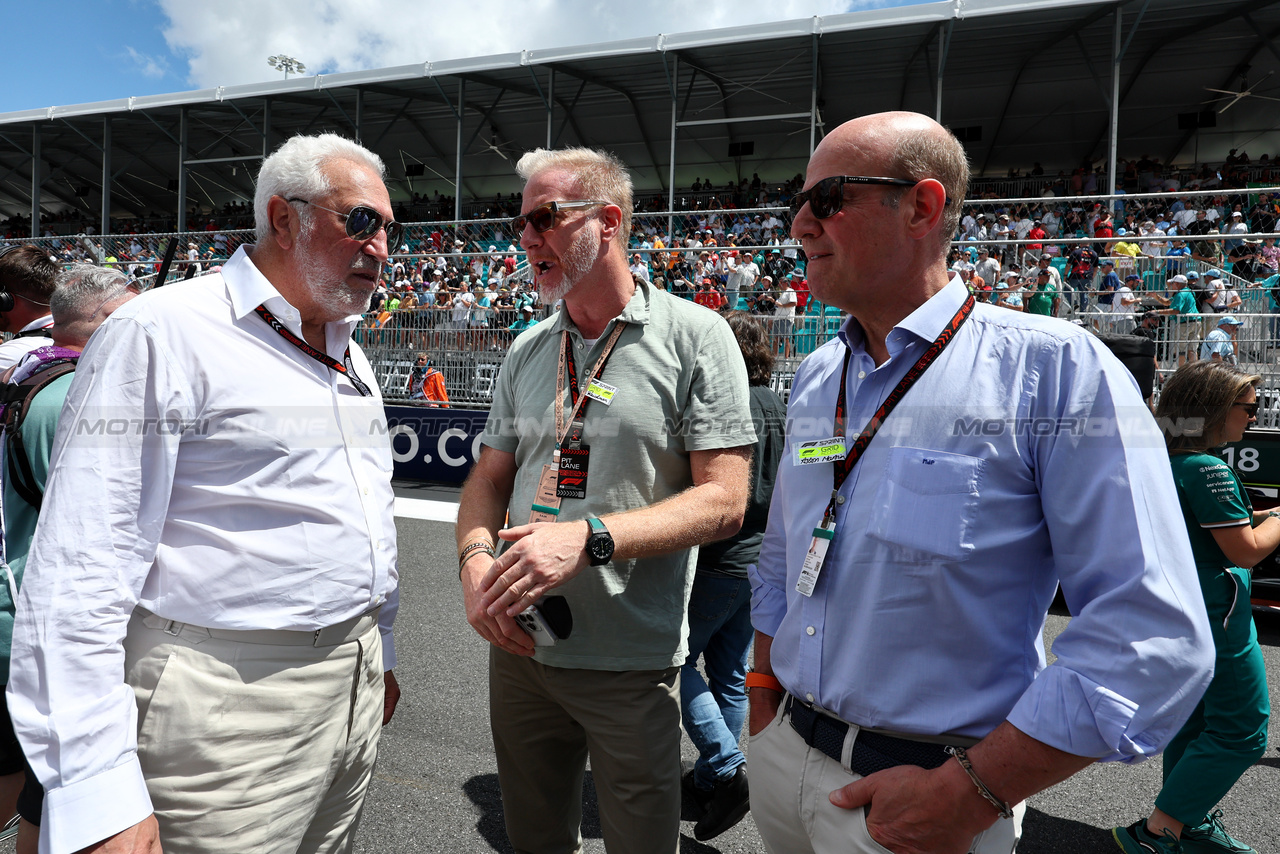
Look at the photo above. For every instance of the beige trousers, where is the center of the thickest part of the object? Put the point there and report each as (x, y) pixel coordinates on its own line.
(547, 720)
(255, 746)
(790, 785)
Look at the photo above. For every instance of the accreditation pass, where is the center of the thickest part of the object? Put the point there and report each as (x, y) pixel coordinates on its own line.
(809, 572)
(821, 451)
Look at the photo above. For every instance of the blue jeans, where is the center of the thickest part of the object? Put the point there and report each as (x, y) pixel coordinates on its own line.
(719, 631)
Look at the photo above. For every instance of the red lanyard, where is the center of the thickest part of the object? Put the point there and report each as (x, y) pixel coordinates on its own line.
(841, 469)
(346, 368)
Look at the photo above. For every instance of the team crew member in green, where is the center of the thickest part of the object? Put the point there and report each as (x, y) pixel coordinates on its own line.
(1044, 298)
(1186, 318)
(1227, 732)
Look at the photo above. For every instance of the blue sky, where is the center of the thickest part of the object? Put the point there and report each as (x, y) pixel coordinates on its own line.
(78, 51)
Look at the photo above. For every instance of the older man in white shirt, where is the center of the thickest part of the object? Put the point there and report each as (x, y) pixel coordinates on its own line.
(205, 618)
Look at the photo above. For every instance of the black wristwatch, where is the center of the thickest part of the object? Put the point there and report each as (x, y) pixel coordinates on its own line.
(599, 543)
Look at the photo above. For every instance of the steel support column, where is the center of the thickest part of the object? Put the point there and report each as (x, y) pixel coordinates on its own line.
(106, 175)
(183, 126)
(457, 172)
(1114, 128)
(944, 46)
(672, 83)
(36, 180)
(359, 115)
(266, 127)
(813, 95)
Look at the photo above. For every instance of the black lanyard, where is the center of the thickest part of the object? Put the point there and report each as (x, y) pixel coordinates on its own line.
(345, 367)
(841, 468)
(571, 432)
(573, 371)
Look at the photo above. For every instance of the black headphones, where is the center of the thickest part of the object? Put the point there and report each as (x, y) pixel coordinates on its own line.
(6, 298)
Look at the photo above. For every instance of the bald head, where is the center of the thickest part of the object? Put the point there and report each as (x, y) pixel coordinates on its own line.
(905, 145)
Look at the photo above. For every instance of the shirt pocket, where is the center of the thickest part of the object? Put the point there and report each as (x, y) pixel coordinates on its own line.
(927, 502)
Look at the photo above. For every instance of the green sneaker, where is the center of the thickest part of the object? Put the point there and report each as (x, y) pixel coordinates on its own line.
(1136, 839)
(1212, 838)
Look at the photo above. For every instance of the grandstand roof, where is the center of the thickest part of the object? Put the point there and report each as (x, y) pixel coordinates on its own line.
(1023, 82)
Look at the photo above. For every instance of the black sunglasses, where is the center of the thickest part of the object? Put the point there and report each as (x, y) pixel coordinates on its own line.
(363, 223)
(826, 197)
(1250, 409)
(543, 217)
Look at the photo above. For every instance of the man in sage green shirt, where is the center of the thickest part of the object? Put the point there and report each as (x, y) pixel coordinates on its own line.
(664, 437)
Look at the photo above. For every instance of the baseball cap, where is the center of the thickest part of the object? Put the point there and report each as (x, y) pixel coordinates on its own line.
(1107, 262)
(1229, 320)
(527, 308)
(1193, 275)
(1215, 273)
(1132, 276)
(1180, 279)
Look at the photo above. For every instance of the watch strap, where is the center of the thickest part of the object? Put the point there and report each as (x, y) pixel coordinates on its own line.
(755, 679)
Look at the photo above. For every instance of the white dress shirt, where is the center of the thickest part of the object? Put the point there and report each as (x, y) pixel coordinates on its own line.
(14, 349)
(210, 471)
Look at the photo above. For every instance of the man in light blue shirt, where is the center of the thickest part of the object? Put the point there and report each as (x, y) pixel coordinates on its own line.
(1022, 457)
(1220, 344)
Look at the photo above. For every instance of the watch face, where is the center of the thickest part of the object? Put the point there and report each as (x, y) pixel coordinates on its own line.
(600, 547)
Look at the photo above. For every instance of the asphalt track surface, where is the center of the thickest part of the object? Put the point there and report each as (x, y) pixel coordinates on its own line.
(436, 790)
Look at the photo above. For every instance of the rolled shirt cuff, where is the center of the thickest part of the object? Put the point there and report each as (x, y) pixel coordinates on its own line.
(1074, 714)
(768, 603)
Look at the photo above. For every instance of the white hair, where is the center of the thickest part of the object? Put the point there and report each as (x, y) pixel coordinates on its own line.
(295, 170)
(82, 288)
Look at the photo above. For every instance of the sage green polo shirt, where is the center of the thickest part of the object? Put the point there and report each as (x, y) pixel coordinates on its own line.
(681, 387)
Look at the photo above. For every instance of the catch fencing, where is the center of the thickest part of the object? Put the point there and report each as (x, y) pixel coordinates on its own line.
(678, 250)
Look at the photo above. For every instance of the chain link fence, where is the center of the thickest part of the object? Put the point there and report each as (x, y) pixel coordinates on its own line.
(747, 256)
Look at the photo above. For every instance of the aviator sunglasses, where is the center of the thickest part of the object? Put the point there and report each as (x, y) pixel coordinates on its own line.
(1250, 409)
(363, 222)
(826, 197)
(543, 217)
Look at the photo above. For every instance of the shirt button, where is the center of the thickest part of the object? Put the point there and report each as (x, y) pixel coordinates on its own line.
(839, 499)
(808, 698)
(809, 631)
(862, 375)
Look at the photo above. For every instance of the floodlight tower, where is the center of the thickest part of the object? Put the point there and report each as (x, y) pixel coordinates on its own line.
(287, 64)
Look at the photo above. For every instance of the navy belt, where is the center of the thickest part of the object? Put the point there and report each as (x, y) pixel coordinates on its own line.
(872, 751)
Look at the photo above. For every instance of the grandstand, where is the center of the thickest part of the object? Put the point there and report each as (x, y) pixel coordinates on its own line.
(717, 127)
(1021, 83)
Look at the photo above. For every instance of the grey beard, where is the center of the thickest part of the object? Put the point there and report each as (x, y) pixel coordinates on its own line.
(575, 264)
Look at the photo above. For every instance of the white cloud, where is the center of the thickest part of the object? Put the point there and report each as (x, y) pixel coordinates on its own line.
(228, 42)
(148, 66)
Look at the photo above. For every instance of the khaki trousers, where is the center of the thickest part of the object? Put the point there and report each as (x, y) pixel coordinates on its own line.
(790, 785)
(255, 746)
(546, 721)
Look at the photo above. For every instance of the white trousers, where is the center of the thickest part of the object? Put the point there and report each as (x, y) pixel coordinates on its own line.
(790, 785)
(255, 747)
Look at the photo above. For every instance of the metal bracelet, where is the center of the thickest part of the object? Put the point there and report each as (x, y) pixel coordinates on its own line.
(472, 548)
(963, 758)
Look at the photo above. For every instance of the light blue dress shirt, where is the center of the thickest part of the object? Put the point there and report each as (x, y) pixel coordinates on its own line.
(1023, 457)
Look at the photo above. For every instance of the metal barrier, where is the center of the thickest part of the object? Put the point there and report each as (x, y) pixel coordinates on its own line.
(679, 249)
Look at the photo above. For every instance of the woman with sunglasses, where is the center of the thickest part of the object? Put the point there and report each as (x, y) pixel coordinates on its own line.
(1203, 406)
